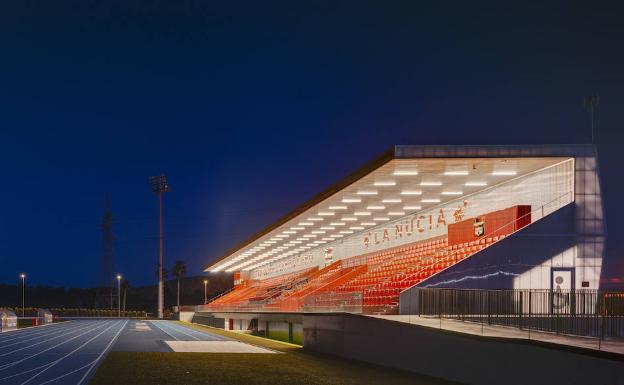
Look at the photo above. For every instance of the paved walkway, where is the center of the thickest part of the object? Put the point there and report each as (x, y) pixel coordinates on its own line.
(507, 332)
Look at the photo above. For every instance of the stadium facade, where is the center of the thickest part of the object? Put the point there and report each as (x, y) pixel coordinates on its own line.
(480, 217)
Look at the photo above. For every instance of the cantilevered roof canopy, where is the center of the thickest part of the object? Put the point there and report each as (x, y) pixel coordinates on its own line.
(391, 186)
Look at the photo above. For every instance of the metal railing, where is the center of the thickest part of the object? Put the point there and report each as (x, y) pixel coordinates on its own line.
(591, 313)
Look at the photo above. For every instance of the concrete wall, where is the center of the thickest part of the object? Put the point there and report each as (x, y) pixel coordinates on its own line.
(186, 316)
(453, 356)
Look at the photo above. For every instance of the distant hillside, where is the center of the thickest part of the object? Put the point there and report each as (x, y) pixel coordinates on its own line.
(138, 298)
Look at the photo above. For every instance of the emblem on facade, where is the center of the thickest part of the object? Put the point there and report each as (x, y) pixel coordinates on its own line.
(479, 226)
(459, 212)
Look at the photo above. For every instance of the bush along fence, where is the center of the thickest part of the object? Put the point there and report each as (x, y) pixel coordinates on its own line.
(31, 312)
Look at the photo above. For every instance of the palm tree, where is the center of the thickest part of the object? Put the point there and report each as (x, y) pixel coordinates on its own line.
(178, 270)
(125, 285)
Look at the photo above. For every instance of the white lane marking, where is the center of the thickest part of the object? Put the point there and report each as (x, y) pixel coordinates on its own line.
(204, 334)
(6, 366)
(94, 364)
(70, 353)
(50, 363)
(39, 343)
(33, 332)
(56, 331)
(155, 324)
(180, 331)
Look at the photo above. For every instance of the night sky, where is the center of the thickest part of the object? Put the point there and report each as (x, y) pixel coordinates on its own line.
(252, 107)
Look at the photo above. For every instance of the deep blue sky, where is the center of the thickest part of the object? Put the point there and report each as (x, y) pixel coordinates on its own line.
(252, 107)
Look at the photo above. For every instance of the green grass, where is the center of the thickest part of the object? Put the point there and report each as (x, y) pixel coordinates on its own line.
(294, 366)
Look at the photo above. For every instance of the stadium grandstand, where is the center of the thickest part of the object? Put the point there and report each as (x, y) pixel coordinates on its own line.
(424, 217)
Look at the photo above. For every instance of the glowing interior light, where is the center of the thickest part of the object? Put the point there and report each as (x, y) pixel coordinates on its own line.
(381, 219)
(337, 236)
(320, 242)
(367, 192)
(368, 223)
(337, 224)
(297, 228)
(391, 200)
(453, 173)
(395, 213)
(327, 228)
(310, 236)
(270, 242)
(385, 183)
(315, 219)
(325, 213)
(375, 207)
(361, 213)
(356, 228)
(338, 207)
(411, 192)
(504, 173)
(318, 232)
(475, 184)
(351, 200)
(412, 207)
(327, 239)
(348, 219)
(405, 172)
(431, 183)
(452, 193)
(346, 232)
(430, 201)
(305, 223)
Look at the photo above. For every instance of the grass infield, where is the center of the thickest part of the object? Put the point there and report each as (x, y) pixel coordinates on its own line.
(295, 366)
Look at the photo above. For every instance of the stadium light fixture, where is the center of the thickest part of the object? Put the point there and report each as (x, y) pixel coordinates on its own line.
(430, 201)
(396, 213)
(411, 192)
(431, 183)
(160, 186)
(384, 183)
(337, 224)
(23, 278)
(405, 172)
(338, 207)
(351, 200)
(348, 219)
(456, 173)
(412, 207)
(361, 213)
(119, 295)
(381, 219)
(356, 228)
(391, 200)
(504, 173)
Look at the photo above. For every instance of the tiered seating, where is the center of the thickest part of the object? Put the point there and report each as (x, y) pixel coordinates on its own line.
(373, 282)
(257, 293)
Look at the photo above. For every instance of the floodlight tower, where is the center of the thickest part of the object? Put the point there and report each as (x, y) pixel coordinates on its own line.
(159, 186)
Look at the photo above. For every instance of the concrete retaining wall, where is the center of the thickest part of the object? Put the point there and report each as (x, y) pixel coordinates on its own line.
(457, 357)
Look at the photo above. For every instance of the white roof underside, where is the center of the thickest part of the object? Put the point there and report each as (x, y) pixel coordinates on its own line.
(398, 188)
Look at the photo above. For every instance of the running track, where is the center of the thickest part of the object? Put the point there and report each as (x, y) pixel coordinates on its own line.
(70, 352)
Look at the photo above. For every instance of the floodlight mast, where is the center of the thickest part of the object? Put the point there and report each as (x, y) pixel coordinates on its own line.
(159, 186)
